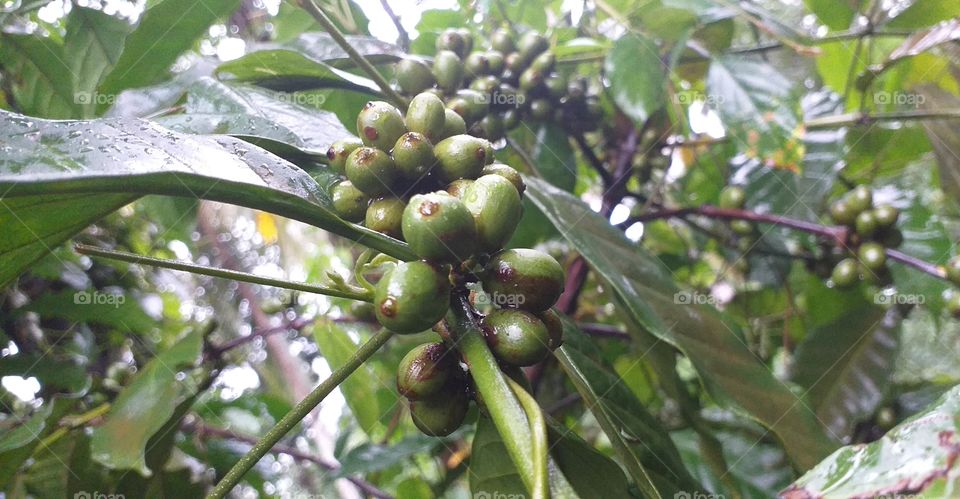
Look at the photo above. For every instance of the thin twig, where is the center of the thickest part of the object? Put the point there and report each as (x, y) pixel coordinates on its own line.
(403, 38)
(859, 118)
(294, 325)
(603, 331)
(593, 160)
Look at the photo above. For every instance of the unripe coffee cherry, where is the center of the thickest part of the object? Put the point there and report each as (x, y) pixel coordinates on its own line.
(379, 125)
(496, 208)
(514, 66)
(412, 297)
(413, 156)
(516, 337)
(452, 41)
(860, 199)
(486, 85)
(742, 227)
(866, 224)
(467, 39)
(544, 62)
(476, 65)
(953, 304)
(872, 256)
(458, 187)
(541, 110)
(554, 325)
(953, 270)
(439, 228)
(424, 370)
(448, 70)
(338, 152)
(414, 76)
(732, 197)
(372, 171)
(846, 273)
(891, 237)
(491, 128)
(502, 41)
(453, 124)
(442, 414)
(556, 85)
(426, 115)
(508, 173)
(531, 79)
(886, 215)
(470, 104)
(511, 118)
(531, 45)
(532, 279)
(349, 202)
(495, 62)
(385, 216)
(841, 212)
(460, 156)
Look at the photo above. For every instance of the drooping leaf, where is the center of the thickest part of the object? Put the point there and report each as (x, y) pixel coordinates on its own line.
(91, 47)
(646, 292)
(145, 405)
(289, 71)
(118, 159)
(919, 456)
(637, 80)
(166, 30)
(39, 88)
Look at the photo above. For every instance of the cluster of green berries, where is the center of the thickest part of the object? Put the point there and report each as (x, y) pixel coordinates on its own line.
(493, 90)
(952, 270)
(873, 229)
(420, 178)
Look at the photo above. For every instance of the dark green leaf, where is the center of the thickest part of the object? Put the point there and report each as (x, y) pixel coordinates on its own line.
(289, 71)
(554, 157)
(369, 457)
(322, 47)
(40, 88)
(636, 75)
(731, 374)
(99, 307)
(91, 47)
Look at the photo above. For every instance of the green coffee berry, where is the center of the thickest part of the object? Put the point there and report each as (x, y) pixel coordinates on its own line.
(732, 197)
(865, 224)
(448, 70)
(891, 237)
(496, 208)
(860, 199)
(414, 76)
(544, 62)
(508, 173)
(486, 85)
(424, 370)
(439, 228)
(495, 62)
(531, 45)
(531, 79)
(514, 65)
(511, 118)
(467, 39)
(442, 414)
(372, 171)
(953, 304)
(349, 202)
(953, 270)
(846, 273)
(385, 215)
(886, 215)
(379, 125)
(451, 40)
(742, 227)
(426, 115)
(541, 110)
(556, 85)
(453, 124)
(412, 297)
(873, 256)
(502, 41)
(532, 280)
(338, 152)
(458, 187)
(476, 65)
(413, 156)
(470, 104)
(491, 128)
(554, 325)
(460, 156)
(516, 337)
(842, 213)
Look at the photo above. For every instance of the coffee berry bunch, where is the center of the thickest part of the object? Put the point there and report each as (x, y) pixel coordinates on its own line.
(494, 89)
(419, 177)
(872, 230)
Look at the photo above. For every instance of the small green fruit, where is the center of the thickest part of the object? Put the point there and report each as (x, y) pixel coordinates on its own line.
(439, 228)
(452, 41)
(413, 156)
(453, 124)
(486, 85)
(860, 199)
(511, 119)
(379, 125)
(528, 279)
(953, 304)
(554, 325)
(541, 110)
(495, 62)
(886, 215)
(338, 152)
(424, 370)
(866, 224)
(426, 115)
(491, 128)
(458, 187)
(872, 256)
(385, 215)
(514, 65)
(467, 39)
(414, 76)
(531, 79)
(476, 65)
(516, 337)
(508, 173)
(953, 270)
(372, 171)
(531, 45)
(448, 70)
(556, 85)
(732, 197)
(412, 297)
(742, 227)
(891, 237)
(349, 202)
(470, 104)
(442, 414)
(842, 213)
(544, 62)
(460, 156)
(496, 208)
(846, 273)
(502, 41)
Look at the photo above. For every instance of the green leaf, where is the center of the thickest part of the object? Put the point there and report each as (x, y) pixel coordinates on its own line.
(846, 365)
(636, 76)
(289, 71)
(91, 47)
(322, 47)
(554, 157)
(18, 440)
(275, 121)
(165, 31)
(646, 292)
(945, 138)
(370, 457)
(115, 310)
(370, 399)
(120, 158)
(925, 13)
(145, 406)
(835, 14)
(916, 457)
(40, 87)
(919, 44)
